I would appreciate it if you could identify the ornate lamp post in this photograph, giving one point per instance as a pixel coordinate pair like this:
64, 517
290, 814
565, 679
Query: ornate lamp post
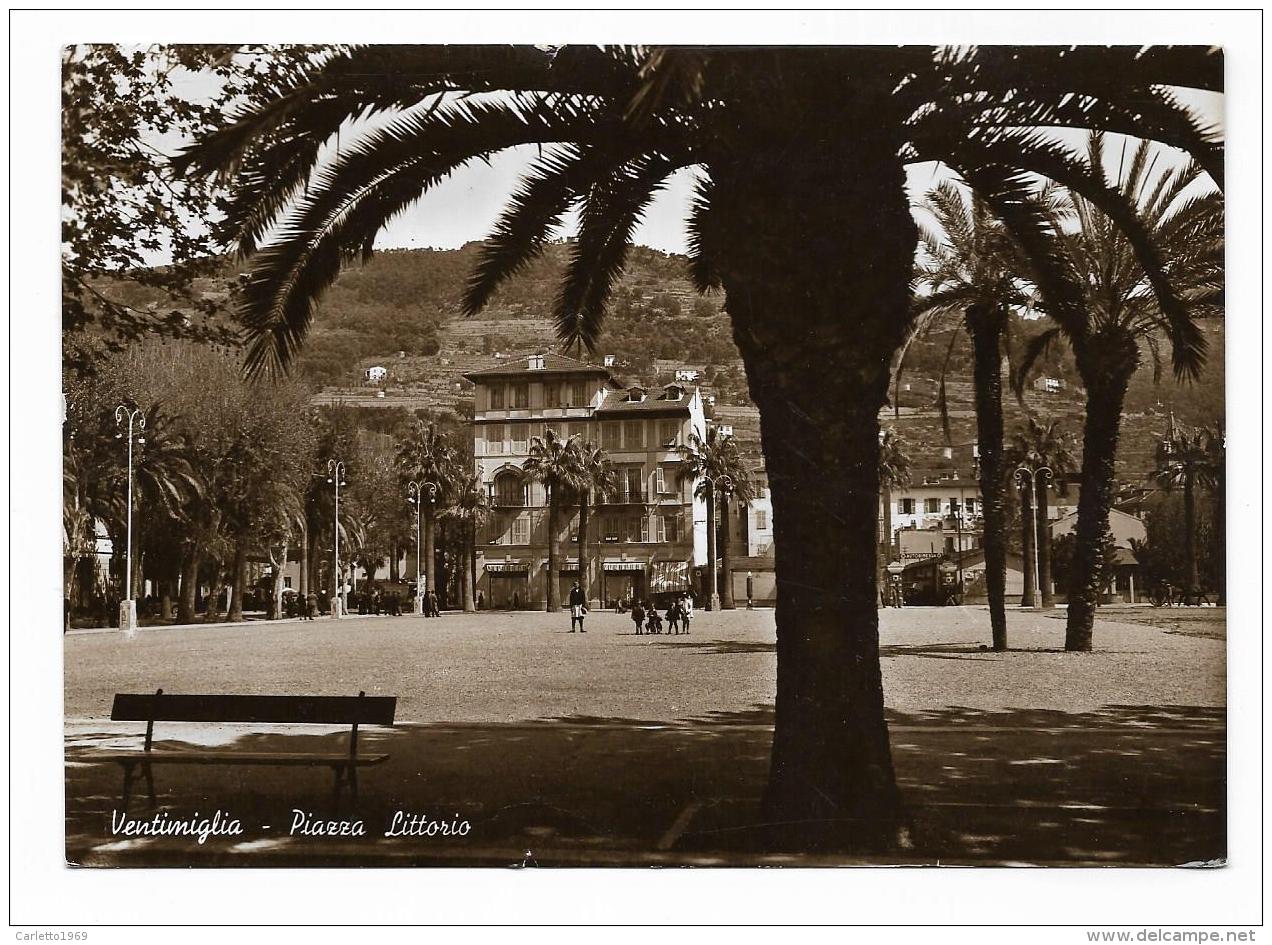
719, 484
415, 490
128, 607
335, 474
1022, 475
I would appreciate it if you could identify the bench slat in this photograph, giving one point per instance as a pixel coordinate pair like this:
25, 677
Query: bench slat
315, 710
235, 758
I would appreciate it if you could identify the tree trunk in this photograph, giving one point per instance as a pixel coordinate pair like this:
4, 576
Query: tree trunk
1106, 368
885, 537
240, 577
394, 575
165, 601
1028, 521
554, 583
713, 584
278, 582
1044, 549
1221, 536
726, 559
189, 585
303, 561
430, 565
585, 577
986, 326
1190, 533
816, 265
472, 560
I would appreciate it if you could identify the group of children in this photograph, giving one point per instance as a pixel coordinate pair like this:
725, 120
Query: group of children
679, 615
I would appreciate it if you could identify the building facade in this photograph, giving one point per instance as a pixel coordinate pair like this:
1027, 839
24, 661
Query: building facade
643, 541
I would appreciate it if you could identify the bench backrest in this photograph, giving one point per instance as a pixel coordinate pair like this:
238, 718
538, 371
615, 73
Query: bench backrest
316, 710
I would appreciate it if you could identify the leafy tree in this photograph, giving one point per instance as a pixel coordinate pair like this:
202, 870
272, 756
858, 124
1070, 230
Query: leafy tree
470, 508
557, 464
1037, 445
1119, 291
801, 217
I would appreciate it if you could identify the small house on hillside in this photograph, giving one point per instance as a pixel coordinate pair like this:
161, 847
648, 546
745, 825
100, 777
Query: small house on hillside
375, 374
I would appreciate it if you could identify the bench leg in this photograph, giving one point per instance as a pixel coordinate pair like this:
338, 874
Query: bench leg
128, 779
340, 775
148, 771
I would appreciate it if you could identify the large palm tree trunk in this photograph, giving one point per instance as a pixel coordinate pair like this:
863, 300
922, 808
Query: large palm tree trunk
816, 279
468, 564
1106, 373
986, 326
1028, 522
1044, 549
554, 581
302, 560
885, 537
726, 559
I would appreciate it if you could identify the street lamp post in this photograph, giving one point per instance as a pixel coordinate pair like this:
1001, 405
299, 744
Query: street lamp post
414, 492
719, 484
1024, 474
335, 473
128, 607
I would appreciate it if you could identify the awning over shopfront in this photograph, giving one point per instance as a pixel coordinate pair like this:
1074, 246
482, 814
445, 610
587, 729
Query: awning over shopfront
623, 566
669, 576
507, 567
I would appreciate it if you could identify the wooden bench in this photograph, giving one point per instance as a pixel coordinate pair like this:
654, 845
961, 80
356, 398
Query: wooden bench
303, 710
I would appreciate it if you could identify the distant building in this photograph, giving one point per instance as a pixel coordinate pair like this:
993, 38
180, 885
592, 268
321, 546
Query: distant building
646, 540
1048, 385
375, 374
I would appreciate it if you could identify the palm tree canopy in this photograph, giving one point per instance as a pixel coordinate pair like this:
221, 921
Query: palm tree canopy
1186, 454
706, 459
894, 460
556, 462
1120, 296
1041, 444
427, 456
612, 124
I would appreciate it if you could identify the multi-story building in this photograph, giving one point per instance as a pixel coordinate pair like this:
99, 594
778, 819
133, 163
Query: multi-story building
645, 540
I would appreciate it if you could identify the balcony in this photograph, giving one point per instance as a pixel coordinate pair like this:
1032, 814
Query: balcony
508, 500
626, 497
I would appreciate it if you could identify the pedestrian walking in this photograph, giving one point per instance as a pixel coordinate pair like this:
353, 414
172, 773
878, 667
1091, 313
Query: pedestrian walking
432, 605
686, 604
654, 624
673, 616
638, 617
311, 606
578, 607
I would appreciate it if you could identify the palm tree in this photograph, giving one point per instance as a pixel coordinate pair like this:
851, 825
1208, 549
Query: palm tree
894, 473
556, 463
470, 506
1119, 306
707, 461
1037, 445
427, 457
1186, 460
972, 275
801, 217
1218, 443
599, 480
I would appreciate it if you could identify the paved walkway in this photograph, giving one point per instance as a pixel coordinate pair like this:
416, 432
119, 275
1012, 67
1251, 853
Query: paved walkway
611, 748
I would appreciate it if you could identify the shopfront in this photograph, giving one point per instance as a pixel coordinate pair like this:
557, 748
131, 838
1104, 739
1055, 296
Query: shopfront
622, 580
509, 585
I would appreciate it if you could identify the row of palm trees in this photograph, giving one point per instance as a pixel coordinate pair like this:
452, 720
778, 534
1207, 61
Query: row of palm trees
578, 474
802, 218
976, 272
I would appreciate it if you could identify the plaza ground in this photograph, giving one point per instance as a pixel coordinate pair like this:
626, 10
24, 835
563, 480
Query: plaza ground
612, 748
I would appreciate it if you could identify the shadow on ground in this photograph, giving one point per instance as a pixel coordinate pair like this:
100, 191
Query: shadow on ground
1124, 785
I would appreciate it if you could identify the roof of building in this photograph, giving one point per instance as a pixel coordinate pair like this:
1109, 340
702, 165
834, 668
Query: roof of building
655, 401
519, 366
